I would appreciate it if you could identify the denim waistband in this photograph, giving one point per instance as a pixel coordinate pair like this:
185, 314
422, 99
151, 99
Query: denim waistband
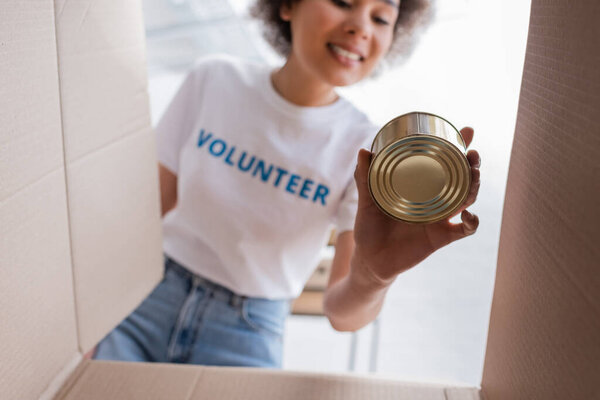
217, 291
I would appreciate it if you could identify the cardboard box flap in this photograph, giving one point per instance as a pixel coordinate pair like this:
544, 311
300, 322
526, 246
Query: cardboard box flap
82, 234
112, 179
544, 340
119, 380
31, 144
38, 333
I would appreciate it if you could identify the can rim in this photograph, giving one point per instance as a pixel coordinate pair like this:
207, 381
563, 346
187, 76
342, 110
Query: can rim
417, 112
397, 218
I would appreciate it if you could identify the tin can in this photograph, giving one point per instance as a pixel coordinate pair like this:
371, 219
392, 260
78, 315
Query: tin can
419, 172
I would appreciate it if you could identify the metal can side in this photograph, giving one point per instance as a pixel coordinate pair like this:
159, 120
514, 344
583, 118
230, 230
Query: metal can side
419, 172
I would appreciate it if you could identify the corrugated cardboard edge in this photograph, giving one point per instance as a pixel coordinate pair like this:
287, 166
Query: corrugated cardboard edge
98, 379
75, 367
105, 120
37, 312
102, 379
68, 374
465, 393
264, 384
68, 367
543, 340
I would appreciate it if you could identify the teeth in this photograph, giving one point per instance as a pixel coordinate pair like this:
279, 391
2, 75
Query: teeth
345, 53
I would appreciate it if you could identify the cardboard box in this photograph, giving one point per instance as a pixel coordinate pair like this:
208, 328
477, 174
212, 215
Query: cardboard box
80, 226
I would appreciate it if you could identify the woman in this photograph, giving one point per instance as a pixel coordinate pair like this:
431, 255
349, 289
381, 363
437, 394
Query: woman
255, 166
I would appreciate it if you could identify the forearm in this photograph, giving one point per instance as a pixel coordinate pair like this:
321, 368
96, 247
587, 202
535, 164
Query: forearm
356, 299
168, 189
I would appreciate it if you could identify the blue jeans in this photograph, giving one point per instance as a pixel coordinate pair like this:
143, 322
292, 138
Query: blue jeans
188, 319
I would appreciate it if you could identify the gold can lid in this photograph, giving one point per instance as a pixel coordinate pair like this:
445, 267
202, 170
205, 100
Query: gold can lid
419, 178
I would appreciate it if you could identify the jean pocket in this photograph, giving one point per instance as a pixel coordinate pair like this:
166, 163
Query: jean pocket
264, 316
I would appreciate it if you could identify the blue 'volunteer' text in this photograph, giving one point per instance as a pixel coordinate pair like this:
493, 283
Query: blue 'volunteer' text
290, 182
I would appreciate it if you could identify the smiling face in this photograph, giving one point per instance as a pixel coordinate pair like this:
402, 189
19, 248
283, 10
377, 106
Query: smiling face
340, 41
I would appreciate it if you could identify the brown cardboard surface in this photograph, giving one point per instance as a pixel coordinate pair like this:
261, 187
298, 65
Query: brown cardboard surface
117, 380
544, 337
101, 51
101, 380
463, 394
116, 238
88, 98
111, 161
31, 143
259, 384
37, 321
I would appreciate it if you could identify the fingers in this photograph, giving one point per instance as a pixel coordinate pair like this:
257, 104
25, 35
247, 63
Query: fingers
475, 183
470, 223
361, 174
467, 135
475, 162
474, 188
468, 226
474, 159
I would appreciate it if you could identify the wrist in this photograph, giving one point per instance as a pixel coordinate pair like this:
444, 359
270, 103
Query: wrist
363, 277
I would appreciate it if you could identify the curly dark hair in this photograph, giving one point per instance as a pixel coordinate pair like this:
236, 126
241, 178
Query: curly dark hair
413, 17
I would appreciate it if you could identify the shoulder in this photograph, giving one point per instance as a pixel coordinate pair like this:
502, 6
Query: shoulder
223, 67
358, 125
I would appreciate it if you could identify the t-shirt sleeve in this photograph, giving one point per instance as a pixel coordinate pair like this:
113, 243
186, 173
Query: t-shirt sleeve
346, 212
176, 124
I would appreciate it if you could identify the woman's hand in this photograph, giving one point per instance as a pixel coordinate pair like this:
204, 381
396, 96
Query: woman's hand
386, 247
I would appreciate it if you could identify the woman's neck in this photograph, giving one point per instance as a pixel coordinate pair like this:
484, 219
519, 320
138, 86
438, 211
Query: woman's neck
298, 86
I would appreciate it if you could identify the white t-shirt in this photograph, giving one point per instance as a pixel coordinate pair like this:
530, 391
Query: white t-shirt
260, 180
